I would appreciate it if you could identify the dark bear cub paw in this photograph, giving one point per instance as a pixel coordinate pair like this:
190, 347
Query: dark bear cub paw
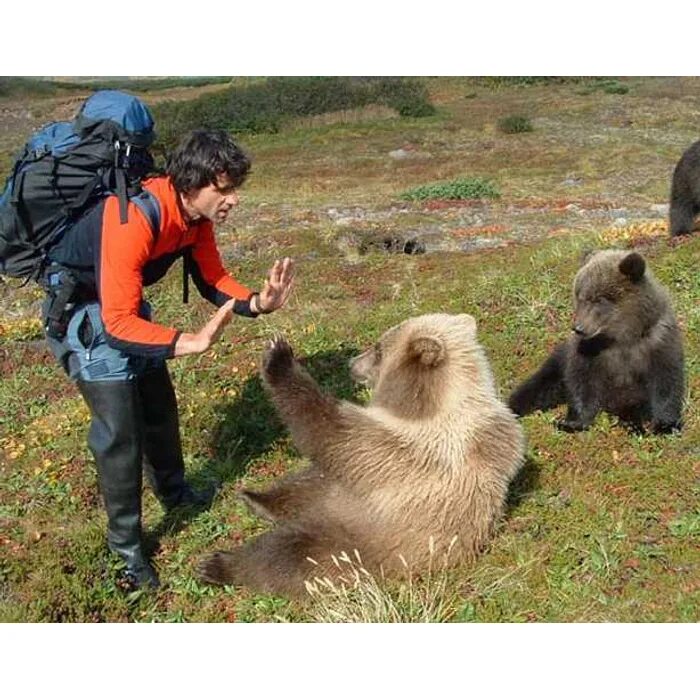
662, 427
278, 358
571, 426
517, 405
214, 568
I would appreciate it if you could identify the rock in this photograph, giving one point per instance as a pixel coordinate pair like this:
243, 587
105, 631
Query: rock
620, 221
573, 181
660, 209
405, 153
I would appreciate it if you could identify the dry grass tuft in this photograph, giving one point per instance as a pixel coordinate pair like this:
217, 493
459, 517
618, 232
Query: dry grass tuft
356, 595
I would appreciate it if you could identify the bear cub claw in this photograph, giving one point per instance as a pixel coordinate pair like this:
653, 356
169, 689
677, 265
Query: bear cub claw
278, 358
213, 569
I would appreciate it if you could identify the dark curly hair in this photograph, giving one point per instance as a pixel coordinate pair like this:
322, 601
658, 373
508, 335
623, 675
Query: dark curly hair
202, 156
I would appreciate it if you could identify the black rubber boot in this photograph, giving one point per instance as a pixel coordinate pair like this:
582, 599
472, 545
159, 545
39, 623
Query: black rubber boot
115, 439
163, 461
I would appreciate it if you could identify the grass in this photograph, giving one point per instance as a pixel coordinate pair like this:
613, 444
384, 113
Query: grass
38, 87
356, 595
600, 526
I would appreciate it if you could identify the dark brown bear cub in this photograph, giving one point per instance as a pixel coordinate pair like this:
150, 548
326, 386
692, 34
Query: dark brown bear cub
421, 472
685, 192
625, 356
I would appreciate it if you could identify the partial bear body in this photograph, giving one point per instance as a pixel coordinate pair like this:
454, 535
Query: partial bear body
685, 192
430, 457
625, 356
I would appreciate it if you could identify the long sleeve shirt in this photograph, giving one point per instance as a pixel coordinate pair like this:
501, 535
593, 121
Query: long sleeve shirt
127, 257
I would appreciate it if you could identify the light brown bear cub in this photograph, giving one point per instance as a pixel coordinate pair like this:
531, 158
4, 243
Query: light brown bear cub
432, 455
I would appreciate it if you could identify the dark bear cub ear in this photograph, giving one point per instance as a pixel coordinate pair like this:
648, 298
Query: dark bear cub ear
633, 266
428, 350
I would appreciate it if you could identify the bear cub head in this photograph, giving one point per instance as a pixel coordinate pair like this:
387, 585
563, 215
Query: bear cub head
417, 365
616, 299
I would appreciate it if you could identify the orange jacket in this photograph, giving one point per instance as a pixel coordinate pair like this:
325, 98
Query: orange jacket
129, 257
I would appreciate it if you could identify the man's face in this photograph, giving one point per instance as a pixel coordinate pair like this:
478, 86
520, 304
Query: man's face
214, 201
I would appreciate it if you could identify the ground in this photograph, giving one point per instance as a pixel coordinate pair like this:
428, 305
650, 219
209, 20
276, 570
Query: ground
602, 525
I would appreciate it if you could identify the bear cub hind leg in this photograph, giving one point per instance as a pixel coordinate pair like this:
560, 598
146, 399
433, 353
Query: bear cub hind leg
275, 562
292, 496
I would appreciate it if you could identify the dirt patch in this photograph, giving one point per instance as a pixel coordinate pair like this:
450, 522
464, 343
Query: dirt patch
24, 354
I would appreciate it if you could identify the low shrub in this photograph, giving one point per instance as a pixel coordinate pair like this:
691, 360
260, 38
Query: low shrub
263, 107
614, 87
504, 81
607, 85
515, 124
462, 188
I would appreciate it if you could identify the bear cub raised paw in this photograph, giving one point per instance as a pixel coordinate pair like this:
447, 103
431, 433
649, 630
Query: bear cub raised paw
624, 357
419, 475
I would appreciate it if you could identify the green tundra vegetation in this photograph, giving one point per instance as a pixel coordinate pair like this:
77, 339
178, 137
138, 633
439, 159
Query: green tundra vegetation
602, 525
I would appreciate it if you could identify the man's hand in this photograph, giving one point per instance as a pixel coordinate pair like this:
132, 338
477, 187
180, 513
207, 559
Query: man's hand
277, 288
190, 343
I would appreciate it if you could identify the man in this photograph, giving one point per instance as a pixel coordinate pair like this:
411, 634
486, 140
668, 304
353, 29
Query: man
117, 354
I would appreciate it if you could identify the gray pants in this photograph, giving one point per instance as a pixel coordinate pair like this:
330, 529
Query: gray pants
93, 360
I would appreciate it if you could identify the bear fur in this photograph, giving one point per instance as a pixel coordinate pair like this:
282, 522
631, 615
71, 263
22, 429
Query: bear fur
685, 192
625, 356
431, 456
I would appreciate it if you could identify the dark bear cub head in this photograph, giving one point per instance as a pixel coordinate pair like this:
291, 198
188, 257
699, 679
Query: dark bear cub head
616, 299
417, 365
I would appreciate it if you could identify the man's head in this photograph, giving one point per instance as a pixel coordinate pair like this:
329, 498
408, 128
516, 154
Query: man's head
206, 169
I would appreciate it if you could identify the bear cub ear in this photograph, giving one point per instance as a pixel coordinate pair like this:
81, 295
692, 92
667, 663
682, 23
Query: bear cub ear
469, 322
586, 255
430, 351
633, 266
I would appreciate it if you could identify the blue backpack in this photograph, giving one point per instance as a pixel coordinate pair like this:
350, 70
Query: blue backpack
65, 168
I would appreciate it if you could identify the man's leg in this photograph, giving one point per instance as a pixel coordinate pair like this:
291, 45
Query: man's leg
163, 461
106, 380
115, 440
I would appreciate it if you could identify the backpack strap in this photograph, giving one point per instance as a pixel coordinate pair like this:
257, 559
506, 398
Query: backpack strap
149, 206
120, 184
186, 263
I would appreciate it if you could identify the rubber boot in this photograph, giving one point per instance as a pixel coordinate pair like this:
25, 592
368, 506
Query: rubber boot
163, 461
115, 439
